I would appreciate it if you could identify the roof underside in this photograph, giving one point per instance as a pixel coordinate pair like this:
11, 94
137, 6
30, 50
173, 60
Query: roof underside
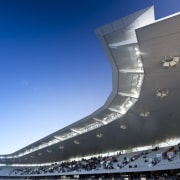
155, 40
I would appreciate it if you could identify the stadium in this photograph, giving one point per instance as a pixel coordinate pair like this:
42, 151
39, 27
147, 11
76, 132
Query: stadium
135, 134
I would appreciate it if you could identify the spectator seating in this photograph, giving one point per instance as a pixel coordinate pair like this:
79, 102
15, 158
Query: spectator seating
152, 159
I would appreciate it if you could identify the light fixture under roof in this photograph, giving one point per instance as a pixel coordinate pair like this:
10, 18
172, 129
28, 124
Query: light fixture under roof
49, 150
162, 92
170, 62
61, 147
76, 142
145, 114
123, 126
137, 51
139, 61
99, 135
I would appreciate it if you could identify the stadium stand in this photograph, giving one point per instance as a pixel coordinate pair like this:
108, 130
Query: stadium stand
123, 139
142, 163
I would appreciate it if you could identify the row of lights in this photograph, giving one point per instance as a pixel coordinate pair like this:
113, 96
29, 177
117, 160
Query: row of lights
168, 62
161, 92
61, 147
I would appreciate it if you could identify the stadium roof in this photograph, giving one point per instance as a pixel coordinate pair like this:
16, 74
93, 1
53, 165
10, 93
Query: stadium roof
143, 107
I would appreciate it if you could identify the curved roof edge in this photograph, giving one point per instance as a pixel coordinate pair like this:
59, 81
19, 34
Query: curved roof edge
114, 38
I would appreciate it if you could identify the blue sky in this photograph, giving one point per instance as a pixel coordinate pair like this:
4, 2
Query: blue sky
53, 70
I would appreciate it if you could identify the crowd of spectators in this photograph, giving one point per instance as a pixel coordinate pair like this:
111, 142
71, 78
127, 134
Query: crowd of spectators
93, 163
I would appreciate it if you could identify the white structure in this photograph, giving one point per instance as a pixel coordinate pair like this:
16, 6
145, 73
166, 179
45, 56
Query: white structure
144, 56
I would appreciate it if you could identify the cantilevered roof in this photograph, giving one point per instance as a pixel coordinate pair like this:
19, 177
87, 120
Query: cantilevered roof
143, 107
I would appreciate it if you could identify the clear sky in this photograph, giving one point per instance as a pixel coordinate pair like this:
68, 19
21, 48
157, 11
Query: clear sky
53, 70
